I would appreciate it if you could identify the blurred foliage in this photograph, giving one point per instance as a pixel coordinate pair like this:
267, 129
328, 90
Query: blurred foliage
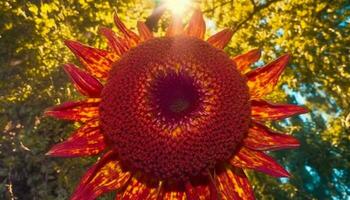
315, 32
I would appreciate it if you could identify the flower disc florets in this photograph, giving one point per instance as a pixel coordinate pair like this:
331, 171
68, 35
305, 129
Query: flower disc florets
174, 107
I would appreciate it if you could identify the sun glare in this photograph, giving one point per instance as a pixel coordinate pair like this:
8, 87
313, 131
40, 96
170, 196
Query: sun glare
178, 7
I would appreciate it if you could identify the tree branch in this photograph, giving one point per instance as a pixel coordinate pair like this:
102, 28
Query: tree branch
256, 10
254, 4
159, 10
217, 6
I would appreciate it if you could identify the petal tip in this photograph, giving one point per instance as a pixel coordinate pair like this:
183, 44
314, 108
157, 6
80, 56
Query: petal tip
68, 68
296, 144
73, 45
285, 174
286, 57
304, 110
280, 173
52, 153
301, 110
49, 112
70, 43
102, 29
221, 38
229, 33
49, 153
258, 51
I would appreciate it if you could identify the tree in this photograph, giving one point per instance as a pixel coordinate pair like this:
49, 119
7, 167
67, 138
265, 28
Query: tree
316, 33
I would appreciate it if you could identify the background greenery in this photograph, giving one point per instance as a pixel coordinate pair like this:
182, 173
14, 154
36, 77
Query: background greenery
315, 32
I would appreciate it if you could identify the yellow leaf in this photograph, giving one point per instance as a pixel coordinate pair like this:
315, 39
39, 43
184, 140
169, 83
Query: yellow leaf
33, 8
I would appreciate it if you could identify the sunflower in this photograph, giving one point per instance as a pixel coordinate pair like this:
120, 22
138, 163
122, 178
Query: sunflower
175, 117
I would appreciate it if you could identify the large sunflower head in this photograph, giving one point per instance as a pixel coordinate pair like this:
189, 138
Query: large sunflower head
176, 117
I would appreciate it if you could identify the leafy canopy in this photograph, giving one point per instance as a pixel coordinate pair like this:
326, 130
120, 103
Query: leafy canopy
316, 33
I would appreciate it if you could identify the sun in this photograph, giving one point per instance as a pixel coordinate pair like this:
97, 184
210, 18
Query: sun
174, 117
177, 7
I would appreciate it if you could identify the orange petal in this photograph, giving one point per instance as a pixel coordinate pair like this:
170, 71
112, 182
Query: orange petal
196, 26
106, 175
233, 184
221, 39
76, 111
145, 33
131, 37
175, 27
174, 195
116, 43
243, 61
87, 140
262, 80
97, 61
140, 187
262, 138
173, 191
263, 110
257, 160
83, 82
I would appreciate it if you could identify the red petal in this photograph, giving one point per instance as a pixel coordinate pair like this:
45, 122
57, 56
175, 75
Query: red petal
233, 184
196, 26
263, 110
221, 39
116, 43
262, 138
145, 33
86, 141
198, 191
97, 61
243, 61
75, 111
191, 193
247, 158
175, 27
140, 188
213, 187
262, 80
83, 82
132, 38
106, 175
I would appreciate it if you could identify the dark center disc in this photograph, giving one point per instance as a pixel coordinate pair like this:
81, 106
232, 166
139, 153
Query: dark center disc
174, 107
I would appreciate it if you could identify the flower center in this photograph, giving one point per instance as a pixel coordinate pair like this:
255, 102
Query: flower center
174, 95
175, 107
